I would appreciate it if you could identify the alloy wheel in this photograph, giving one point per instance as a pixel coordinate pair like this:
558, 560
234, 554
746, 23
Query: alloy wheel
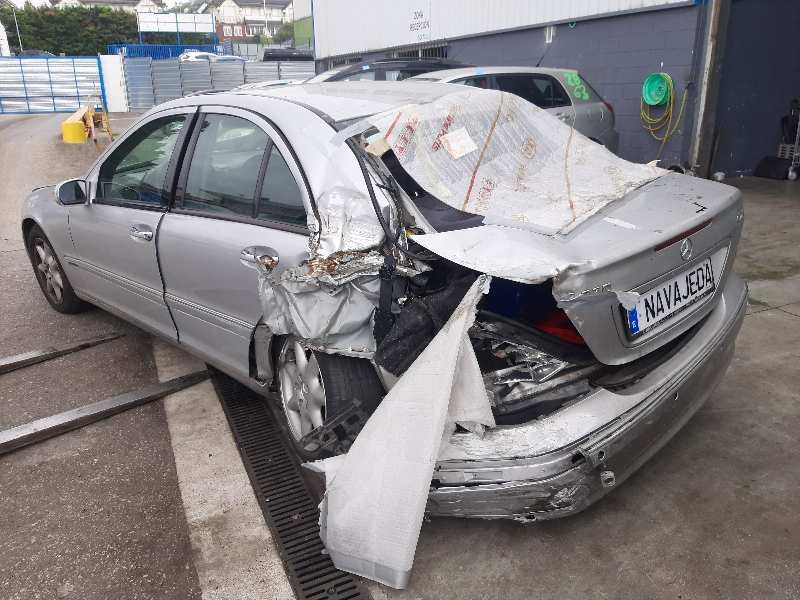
48, 271
302, 390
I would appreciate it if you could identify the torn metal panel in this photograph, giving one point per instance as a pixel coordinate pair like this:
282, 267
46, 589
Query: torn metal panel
492, 153
331, 318
372, 512
327, 302
347, 222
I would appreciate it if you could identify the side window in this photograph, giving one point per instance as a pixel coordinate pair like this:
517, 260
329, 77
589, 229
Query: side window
135, 172
551, 92
360, 76
401, 74
541, 90
478, 81
280, 198
225, 165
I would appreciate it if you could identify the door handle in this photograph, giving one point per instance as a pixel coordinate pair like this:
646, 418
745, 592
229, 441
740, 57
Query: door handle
263, 258
141, 232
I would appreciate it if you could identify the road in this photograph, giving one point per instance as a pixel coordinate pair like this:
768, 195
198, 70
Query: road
148, 503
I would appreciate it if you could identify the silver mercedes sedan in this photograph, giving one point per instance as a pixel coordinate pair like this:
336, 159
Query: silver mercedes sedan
310, 241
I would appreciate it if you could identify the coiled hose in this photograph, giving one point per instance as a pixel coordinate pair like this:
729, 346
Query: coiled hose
661, 127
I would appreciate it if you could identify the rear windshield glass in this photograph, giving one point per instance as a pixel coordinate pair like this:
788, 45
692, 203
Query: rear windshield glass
578, 87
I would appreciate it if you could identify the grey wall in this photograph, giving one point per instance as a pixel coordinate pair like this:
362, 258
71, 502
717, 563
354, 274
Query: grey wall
760, 76
615, 54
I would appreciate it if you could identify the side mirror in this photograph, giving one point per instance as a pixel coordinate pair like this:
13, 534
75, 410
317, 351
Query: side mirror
72, 191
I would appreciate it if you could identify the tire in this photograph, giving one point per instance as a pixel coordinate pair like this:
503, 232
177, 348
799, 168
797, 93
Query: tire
49, 274
343, 379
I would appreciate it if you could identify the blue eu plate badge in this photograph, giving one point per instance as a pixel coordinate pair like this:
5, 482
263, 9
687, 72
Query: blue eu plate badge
633, 321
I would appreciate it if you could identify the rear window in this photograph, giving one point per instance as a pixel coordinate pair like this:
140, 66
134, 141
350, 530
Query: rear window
579, 88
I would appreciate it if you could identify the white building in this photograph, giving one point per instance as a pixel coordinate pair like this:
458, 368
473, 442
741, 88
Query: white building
4, 49
250, 17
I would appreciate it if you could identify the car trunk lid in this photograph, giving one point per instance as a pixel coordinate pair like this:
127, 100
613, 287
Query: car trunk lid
604, 266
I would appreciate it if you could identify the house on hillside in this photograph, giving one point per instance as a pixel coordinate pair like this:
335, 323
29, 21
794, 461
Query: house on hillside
239, 19
133, 6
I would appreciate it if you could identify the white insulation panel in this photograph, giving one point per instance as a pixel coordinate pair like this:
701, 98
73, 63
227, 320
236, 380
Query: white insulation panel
343, 27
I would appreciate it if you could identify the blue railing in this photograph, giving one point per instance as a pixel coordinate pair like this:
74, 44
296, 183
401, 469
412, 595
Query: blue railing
34, 84
159, 51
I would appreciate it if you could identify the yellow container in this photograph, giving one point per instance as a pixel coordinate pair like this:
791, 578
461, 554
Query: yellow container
74, 129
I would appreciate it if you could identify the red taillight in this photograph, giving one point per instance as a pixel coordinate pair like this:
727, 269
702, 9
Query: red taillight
609, 107
557, 324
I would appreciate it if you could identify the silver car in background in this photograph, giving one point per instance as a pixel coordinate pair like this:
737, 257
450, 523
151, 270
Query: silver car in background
562, 92
172, 226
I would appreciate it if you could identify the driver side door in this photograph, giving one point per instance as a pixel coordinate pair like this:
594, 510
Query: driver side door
115, 262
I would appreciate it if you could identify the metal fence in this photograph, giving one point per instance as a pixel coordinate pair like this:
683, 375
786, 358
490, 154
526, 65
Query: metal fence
150, 82
160, 51
49, 84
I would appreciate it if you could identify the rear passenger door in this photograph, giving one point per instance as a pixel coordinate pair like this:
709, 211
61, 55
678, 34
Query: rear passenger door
540, 89
238, 188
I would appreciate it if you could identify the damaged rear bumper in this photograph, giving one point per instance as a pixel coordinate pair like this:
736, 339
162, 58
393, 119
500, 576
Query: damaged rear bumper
561, 464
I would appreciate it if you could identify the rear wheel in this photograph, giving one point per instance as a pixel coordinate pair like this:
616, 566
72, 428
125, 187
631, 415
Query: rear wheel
316, 387
50, 275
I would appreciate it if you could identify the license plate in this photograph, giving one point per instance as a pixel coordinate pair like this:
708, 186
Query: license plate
671, 297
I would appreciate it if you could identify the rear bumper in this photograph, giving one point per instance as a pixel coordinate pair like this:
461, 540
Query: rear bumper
563, 463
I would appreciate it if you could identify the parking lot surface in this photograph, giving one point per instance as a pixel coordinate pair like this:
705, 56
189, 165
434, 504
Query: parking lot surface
98, 513
95, 513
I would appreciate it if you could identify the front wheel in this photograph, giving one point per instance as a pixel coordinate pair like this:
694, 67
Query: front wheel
316, 387
50, 274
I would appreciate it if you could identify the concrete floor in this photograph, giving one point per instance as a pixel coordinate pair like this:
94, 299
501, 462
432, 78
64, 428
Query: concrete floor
97, 513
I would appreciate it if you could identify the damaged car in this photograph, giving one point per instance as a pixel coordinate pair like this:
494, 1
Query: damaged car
343, 248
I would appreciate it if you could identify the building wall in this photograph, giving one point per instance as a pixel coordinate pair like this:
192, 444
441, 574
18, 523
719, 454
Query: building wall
4, 48
615, 54
346, 26
760, 76
114, 83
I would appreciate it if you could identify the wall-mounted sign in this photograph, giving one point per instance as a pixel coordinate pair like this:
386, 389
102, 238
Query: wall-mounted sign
420, 24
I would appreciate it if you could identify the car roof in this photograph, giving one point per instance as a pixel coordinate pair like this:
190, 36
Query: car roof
346, 100
421, 60
447, 74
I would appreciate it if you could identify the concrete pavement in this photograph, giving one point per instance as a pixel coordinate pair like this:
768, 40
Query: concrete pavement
95, 513
713, 515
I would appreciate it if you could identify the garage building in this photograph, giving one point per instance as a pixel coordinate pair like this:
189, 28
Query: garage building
723, 56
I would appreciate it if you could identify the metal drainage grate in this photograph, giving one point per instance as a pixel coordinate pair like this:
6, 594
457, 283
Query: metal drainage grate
285, 499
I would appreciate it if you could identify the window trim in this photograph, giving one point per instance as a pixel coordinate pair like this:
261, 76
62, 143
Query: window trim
272, 133
178, 151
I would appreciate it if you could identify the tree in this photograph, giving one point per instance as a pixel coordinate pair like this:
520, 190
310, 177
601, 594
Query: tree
285, 33
74, 31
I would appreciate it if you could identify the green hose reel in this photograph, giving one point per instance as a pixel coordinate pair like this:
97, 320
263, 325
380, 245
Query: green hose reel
657, 88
